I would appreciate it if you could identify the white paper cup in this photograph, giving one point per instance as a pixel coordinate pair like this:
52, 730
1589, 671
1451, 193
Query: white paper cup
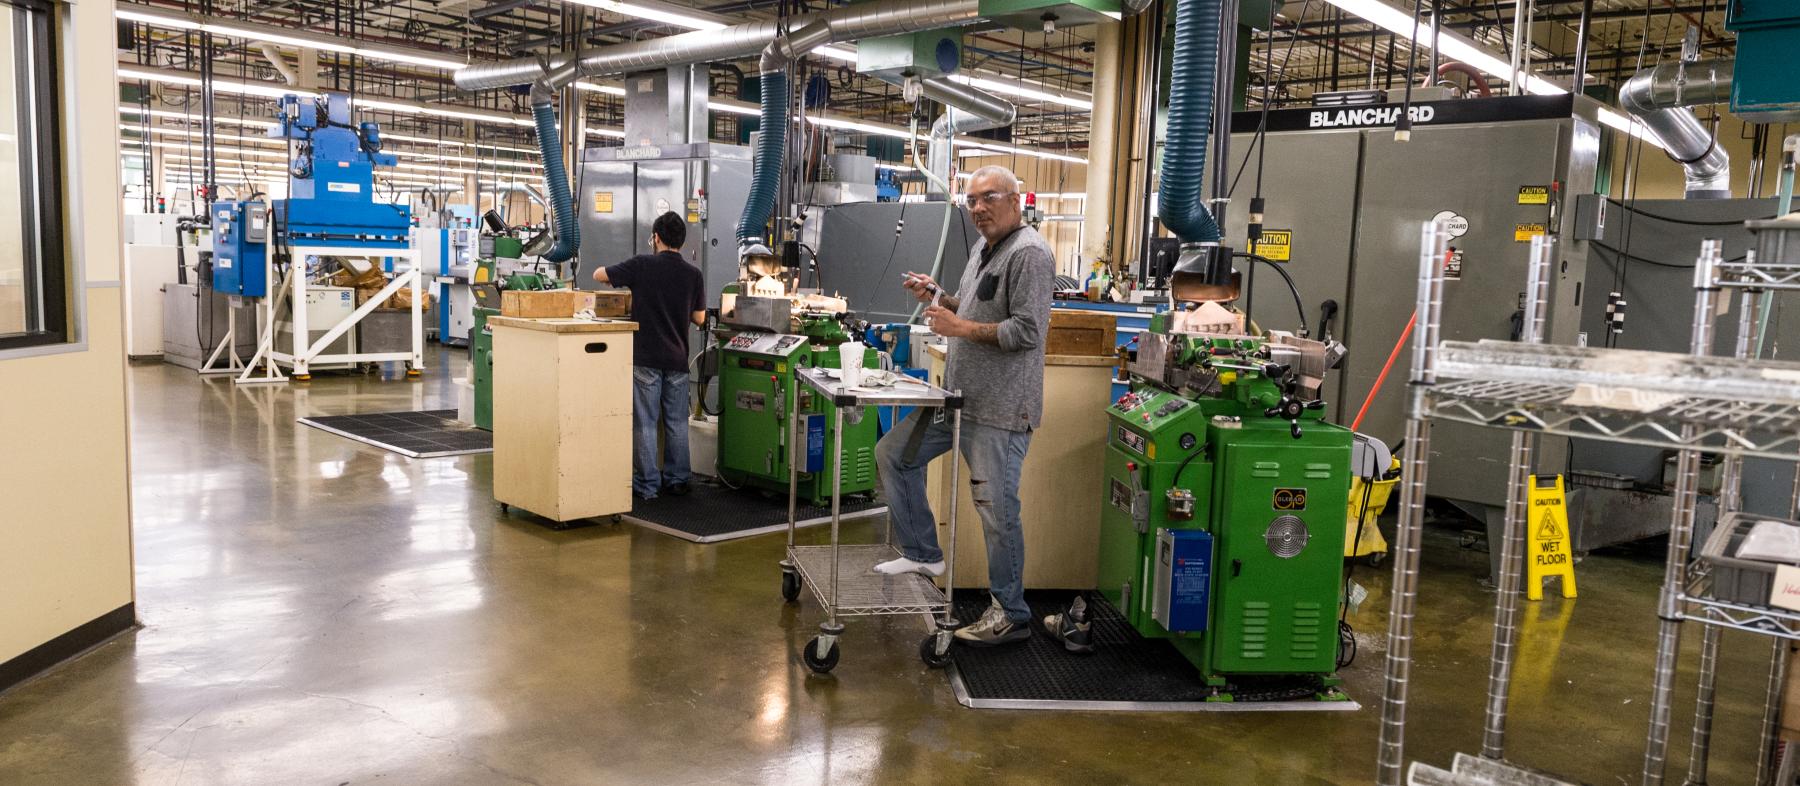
850, 363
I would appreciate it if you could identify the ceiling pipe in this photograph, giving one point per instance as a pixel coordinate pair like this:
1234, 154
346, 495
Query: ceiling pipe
848, 23
968, 109
1660, 97
287, 72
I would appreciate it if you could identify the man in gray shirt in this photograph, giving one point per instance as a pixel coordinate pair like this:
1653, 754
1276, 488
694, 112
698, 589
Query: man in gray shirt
996, 324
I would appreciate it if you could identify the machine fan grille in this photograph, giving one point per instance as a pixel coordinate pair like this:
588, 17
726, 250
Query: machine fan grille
1287, 536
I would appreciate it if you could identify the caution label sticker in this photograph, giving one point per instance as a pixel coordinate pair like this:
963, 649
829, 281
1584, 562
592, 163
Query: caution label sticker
1547, 538
603, 201
1523, 233
1275, 245
1534, 195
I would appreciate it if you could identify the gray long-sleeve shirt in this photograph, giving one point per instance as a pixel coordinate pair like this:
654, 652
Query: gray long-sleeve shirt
1003, 386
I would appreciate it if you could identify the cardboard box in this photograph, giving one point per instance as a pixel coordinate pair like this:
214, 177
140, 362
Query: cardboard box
401, 300
1078, 332
612, 303
541, 304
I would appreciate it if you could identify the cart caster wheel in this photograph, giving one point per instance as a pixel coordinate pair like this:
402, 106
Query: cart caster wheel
928, 652
616, 517
820, 665
505, 509
1375, 559
790, 587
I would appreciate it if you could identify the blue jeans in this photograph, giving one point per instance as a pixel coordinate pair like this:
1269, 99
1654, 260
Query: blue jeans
995, 458
660, 397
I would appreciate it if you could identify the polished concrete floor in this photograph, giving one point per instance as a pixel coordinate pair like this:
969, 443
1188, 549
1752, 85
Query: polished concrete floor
316, 611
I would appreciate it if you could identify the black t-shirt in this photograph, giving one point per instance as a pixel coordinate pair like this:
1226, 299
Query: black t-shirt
665, 292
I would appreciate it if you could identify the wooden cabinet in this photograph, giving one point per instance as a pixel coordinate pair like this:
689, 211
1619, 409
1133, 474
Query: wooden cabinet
1059, 487
562, 416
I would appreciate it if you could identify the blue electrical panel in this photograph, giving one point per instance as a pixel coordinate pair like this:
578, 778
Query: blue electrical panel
1763, 87
1183, 581
240, 234
815, 443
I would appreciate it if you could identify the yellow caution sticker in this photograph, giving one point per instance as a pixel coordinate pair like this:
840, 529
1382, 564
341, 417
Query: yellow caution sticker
693, 218
1275, 245
1523, 233
603, 201
1547, 537
1534, 195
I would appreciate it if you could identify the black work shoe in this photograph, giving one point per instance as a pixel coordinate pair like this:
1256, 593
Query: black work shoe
678, 489
1072, 627
993, 629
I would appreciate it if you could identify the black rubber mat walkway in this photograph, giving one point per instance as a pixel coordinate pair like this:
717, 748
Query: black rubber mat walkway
712, 513
428, 434
1126, 671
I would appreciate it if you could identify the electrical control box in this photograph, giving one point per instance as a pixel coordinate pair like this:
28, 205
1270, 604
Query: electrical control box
240, 248
1183, 582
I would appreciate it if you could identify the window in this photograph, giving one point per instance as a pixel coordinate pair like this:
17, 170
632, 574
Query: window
34, 305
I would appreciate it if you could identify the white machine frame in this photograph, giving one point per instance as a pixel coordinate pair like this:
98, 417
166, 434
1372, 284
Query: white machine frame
302, 354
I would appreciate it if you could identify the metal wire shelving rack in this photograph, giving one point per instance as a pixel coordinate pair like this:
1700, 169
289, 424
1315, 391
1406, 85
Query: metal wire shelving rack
1696, 403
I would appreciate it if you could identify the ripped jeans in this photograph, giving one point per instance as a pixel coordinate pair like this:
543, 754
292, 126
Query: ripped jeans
995, 457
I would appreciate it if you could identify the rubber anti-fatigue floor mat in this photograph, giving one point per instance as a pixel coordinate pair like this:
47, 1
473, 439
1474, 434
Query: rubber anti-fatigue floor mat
1125, 672
711, 513
427, 434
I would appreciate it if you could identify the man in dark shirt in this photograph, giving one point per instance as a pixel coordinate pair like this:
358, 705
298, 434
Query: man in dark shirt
667, 294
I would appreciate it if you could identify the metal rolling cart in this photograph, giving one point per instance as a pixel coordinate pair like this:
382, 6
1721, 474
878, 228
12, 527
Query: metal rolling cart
1696, 403
840, 574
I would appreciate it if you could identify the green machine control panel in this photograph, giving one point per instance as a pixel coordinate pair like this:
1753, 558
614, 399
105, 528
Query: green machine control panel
757, 390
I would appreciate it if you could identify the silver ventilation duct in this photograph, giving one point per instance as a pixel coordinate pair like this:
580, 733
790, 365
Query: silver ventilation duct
969, 109
1660, 97
849, 23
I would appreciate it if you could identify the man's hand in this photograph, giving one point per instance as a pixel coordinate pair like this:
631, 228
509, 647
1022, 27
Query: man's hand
946, 323
919, 285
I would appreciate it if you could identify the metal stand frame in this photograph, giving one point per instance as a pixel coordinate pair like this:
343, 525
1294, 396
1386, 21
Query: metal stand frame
864, 592
1729, 407
234, 363
303, 355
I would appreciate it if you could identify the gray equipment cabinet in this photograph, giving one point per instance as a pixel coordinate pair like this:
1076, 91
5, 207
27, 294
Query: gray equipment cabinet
621, 191
1353, 197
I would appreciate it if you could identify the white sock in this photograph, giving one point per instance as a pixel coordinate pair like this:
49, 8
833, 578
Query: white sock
896, 567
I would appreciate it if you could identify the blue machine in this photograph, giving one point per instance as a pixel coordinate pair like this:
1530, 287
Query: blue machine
894, 338
240, 233
331, 186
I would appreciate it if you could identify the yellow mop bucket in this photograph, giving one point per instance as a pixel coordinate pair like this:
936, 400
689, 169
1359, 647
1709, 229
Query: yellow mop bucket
1370, 541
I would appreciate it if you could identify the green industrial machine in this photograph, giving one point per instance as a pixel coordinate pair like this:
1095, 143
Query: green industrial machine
498, 271
760, 347
1224, 517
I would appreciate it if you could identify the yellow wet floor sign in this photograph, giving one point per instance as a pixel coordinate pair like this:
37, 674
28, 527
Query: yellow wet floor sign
1547, 538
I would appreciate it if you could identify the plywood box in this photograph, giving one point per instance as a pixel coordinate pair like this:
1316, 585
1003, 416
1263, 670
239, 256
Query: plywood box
544, 304
1077, 332
612, 303
562, 416
1059, 486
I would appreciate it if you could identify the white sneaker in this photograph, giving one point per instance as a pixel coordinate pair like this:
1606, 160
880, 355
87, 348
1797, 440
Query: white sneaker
895, 567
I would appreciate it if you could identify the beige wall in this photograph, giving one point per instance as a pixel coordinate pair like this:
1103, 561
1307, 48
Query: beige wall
1660, 177
1046, 176
65, 526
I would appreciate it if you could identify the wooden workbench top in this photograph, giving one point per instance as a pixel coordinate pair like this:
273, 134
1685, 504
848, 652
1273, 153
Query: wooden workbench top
566, 324
937, 351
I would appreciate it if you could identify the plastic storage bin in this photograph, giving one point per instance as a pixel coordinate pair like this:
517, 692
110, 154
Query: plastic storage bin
1739, 580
